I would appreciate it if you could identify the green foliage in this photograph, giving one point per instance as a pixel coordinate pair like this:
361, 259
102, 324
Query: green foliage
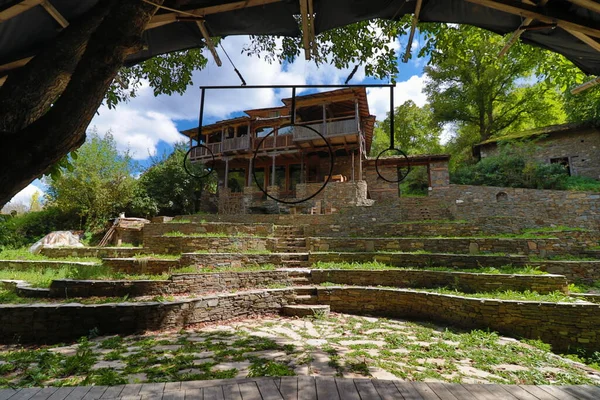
512, 166
167, 189
415, 131
25, 229
98, 185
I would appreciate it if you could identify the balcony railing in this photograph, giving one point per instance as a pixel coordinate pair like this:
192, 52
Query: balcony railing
332, 129
276, 142
234, 144
200, 153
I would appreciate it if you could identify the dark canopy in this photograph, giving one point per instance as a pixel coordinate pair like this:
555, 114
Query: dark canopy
571, 28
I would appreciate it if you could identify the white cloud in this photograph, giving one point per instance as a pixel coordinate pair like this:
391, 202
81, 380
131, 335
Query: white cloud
24, 196
412, 89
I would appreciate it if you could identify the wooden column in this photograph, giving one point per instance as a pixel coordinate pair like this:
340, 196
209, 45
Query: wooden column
250, 177
352, 166
360, 140
302, 180
324, 129
273, 172
226, 184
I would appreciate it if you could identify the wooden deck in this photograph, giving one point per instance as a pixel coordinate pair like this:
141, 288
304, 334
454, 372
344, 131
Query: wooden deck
305, 388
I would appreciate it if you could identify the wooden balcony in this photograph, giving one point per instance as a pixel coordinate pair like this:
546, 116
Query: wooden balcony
277, 142
334, 129
241, 143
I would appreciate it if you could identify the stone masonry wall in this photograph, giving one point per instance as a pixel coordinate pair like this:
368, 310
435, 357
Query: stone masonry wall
160, 229
541, 247
140, 265
177, 284
42, 323
539, 207
564, 325
462, 281
99, 252
188, 244
234, 260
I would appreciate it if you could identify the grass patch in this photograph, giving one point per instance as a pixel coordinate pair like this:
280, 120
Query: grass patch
211, 234
158, 256
376, 265
561, 257
24, 255
554, 297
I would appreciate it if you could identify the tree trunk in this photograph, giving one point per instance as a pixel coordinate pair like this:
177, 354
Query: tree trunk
35, 148
29, 92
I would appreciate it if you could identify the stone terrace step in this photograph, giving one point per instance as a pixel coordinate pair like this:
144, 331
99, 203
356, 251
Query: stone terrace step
159, 229
305, 310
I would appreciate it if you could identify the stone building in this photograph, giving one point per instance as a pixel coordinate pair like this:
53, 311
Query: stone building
263, 151
574, 145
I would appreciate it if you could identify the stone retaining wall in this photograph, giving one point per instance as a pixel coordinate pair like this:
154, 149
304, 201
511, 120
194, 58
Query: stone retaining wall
541, 247
543, 207
189, 244
462, 281
565, 326
573, 270
54, 323
189, 228
98, 252
140, 265
237, 260
177, 284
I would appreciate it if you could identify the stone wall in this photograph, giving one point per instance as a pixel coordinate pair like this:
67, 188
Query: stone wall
535, 207
564, 325
188, 244
43, 323
177, 284
236, 260
98, 252
336, 195
541, 247
140, 265
573, 270
421, 260
189, 228
462, 281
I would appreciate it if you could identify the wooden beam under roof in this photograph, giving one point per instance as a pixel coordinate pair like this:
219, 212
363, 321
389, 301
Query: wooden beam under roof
589, 28
18, 8
209, 43
413, 28
593, 43
517, 34
14, 64
305, 28
58, 17
167, 18
589, 4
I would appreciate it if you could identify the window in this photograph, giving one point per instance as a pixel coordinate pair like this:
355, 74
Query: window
564, 161
262, 132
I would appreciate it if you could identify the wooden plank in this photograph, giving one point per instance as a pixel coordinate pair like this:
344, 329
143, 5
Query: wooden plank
6, 393
209, 42
366, 389
408, 391
17, 9
171, 386
593, 43
307, 389
268, 389
537, 392
557, 392
95, 393
152, 388
214, 393
78, 392
326, 388
347, 389
460, 392
498, 392
590, 5
305, 29
61, 393
288, 387
425, 391
113, 392
131, 389
25, 394
232, 392
387, 390
54, 13
527, 11
441, 391
413, 28
44, 393
518, 392
479, 392
174, 395
249, 391
583, 392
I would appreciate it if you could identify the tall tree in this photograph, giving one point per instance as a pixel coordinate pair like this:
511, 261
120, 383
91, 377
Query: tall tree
98, 184
469, 85
415, 131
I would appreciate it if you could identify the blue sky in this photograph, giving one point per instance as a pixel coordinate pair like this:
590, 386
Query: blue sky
149, 125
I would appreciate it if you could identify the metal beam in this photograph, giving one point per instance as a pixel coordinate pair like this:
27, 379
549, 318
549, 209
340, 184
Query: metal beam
18, 8
58, 17
588, 27
209, 43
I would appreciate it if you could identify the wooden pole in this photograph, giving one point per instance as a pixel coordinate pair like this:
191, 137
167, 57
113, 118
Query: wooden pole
273, 171
226, 185
250, 176
353, 166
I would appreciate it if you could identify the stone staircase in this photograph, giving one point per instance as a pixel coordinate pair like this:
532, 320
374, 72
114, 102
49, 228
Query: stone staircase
305, 295
290, 239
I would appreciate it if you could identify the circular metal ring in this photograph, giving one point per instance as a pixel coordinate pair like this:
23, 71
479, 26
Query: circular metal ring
401, 175
331, 162
187, 155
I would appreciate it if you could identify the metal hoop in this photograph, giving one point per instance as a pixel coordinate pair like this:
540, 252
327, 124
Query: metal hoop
185, 159
331, 162
401, 176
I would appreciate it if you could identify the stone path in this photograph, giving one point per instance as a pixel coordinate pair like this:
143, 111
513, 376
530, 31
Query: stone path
306, 388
